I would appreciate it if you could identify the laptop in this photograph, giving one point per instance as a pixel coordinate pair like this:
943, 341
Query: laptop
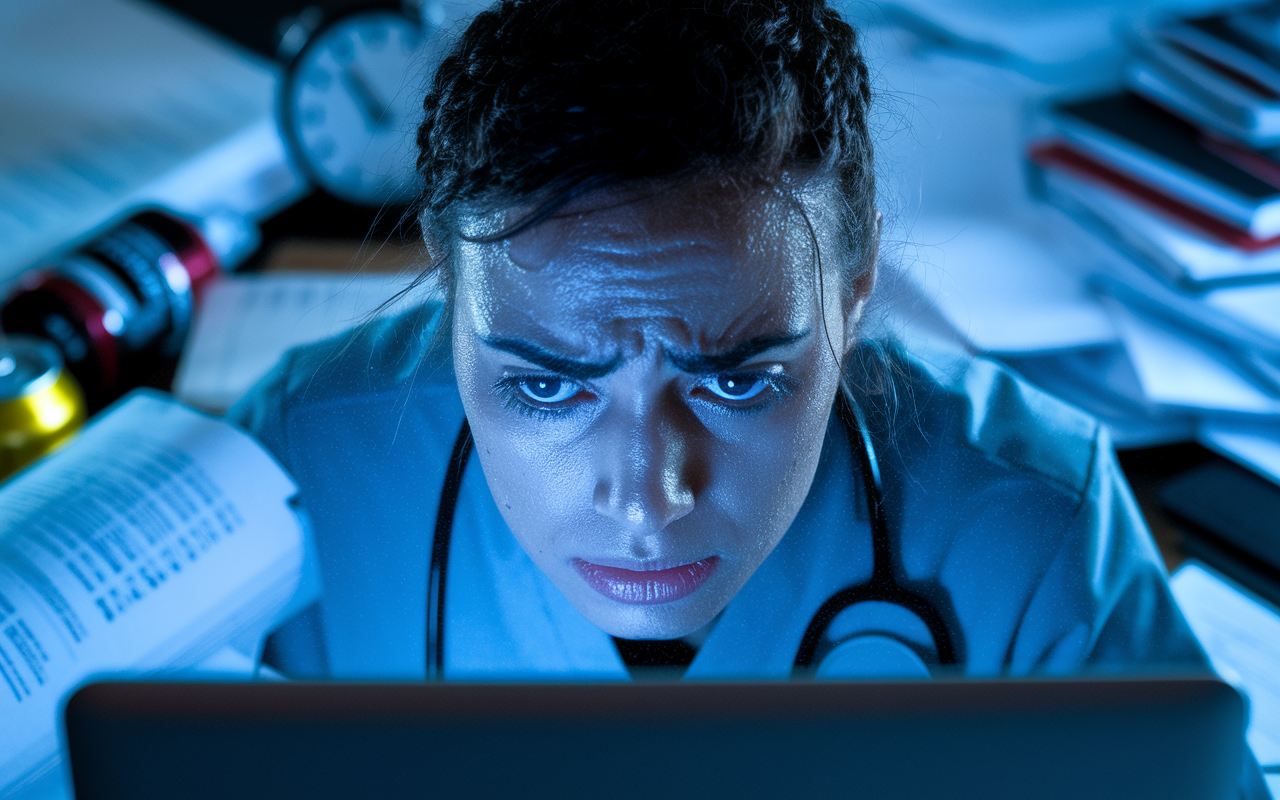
1106, 738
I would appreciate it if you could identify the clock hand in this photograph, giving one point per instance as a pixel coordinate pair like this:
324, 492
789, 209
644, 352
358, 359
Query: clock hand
376, 113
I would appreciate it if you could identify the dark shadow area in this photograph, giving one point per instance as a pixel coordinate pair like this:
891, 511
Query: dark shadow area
1201, 505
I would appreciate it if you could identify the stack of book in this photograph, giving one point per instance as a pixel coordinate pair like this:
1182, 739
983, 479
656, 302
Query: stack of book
1179, 171
1221, 72
1188, 193
1183, 168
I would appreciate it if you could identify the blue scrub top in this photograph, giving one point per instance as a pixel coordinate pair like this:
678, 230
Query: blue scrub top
1007, 499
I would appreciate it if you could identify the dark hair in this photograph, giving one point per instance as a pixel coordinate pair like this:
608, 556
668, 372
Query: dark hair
541, 101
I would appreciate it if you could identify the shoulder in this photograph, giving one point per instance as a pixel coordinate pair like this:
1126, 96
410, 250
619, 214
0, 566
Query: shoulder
370, 383
931, 400
1016, 500
364, 422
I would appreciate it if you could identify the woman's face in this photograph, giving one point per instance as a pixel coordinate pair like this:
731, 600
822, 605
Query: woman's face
648, 379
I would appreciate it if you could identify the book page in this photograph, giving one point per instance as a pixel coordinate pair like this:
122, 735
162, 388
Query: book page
156, 538
1241, 634
1255, 446
113, 103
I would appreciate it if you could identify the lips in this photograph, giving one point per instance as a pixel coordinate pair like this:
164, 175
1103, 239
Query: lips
647, 587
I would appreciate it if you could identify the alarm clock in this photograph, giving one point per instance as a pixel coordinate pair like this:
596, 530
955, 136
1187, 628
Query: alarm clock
351, 102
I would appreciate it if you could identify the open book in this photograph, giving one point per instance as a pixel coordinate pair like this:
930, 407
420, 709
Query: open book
157, 540
114, 104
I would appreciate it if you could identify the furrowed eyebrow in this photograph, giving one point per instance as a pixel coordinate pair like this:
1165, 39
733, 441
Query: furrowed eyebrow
709, 364
554, 362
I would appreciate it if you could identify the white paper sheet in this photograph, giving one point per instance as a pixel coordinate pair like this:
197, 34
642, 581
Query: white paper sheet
1241, 634
1177, 368
1247, 317
247, 322
1054, 41
1256, 447
1256, 306
1103, 382
1001, 289
157, 537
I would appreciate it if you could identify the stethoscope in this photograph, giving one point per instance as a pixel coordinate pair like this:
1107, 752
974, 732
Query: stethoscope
884, 585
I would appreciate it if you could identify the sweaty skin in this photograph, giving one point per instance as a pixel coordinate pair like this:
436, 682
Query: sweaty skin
648, 377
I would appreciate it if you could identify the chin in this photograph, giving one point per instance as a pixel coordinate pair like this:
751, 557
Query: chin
666, 621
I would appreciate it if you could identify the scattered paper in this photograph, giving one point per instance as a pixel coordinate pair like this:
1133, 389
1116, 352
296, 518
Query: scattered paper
1176, 368
1241, 634
1256, 447
1001, 289
109, 104
247, 322
1256, 306
1051, 41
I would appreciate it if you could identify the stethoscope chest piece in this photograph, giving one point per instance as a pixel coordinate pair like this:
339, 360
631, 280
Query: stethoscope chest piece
875, 639
870, 656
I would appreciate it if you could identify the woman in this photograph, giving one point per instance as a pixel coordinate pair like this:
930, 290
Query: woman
656, 233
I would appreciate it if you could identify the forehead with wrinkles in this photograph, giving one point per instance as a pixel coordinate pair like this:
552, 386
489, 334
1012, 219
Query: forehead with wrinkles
700, 267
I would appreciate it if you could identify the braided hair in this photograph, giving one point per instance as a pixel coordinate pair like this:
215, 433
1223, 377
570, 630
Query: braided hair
541, 101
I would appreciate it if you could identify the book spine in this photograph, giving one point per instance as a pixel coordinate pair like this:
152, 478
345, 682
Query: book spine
1219, 201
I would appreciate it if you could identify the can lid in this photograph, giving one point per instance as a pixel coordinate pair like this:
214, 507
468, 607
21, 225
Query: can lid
27, 365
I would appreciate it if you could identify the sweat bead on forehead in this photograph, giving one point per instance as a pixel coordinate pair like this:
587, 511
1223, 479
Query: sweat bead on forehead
699, 267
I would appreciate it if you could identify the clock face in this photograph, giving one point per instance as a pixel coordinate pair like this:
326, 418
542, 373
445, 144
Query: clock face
352, 103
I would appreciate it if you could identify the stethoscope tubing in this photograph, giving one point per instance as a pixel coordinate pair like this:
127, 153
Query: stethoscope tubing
883, 586
438, 571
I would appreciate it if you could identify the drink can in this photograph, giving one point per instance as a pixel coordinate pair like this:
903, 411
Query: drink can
41, 405
119, 307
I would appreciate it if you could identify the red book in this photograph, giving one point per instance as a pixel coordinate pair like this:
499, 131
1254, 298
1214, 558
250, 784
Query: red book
1057, 155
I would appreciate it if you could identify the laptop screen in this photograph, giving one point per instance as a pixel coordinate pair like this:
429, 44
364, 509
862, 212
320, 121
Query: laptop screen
1168, 738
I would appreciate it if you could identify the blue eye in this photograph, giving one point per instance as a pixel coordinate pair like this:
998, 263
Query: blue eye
736, 385
548, 390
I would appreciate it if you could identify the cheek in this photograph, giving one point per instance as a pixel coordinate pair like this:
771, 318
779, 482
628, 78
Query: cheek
542, 487
761, 476
526, 474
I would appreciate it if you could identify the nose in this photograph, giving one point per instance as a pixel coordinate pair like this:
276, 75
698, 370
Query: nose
646, 465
